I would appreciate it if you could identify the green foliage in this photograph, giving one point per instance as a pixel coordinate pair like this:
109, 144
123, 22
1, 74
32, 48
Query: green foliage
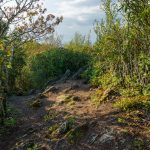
132, 91
96, 98
138, 144
33, 64
5, 64
10, 121
23, 81
93, 73
103, 95
33, 48
53, 128
80, 43
35, 147
121, 120
146, 89
17, 63
53, 63
75, 134
50, 115
109, 80
71, 120
138, 102
121, 59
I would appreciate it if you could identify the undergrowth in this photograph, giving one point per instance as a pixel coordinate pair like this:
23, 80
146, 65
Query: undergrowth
136, 102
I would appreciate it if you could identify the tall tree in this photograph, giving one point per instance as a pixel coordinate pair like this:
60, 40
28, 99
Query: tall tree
20, 21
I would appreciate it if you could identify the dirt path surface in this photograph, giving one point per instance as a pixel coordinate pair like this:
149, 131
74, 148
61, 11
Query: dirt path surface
28, 119
67, 120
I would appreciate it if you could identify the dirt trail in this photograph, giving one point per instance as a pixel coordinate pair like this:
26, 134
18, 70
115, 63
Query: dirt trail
27, 119
32, 129
31, 120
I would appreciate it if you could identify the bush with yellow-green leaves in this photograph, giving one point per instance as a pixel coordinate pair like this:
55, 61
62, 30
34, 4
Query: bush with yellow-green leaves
138, 102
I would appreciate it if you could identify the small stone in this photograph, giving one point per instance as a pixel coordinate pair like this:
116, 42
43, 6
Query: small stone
93, 138
64, 128
106, 138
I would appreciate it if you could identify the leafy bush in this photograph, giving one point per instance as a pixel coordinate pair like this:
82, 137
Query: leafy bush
80, 43
103, 95
121, 52
97, 97
146, 90
93, 73
132, 91
137, 102
53, 63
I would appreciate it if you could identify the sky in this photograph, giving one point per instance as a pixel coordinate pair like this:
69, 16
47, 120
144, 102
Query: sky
79, 16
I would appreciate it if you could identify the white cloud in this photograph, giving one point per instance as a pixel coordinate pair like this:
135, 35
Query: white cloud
79, 15
72, 2
68, 9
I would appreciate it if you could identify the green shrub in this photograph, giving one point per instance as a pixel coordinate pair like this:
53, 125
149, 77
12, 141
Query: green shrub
96, 98
120, 56
132, 91
53, 63
146, 89
101, 96
94, 72
137, 102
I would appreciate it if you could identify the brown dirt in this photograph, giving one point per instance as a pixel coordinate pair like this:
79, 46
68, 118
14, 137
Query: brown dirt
31, 126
